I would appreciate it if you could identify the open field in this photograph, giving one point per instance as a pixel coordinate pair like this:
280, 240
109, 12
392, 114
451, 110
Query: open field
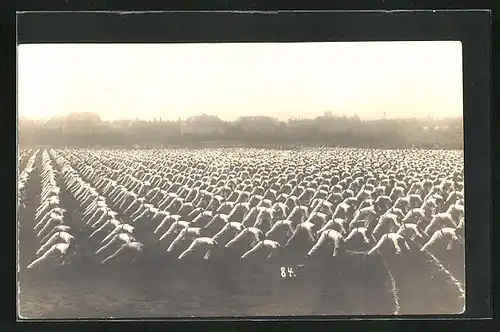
240, 189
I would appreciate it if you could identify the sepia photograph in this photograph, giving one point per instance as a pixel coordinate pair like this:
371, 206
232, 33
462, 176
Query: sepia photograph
174, 180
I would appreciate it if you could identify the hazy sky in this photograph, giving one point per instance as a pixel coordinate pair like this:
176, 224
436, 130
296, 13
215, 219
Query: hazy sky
123, 81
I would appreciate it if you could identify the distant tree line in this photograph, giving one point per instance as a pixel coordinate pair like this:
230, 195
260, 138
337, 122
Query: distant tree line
88, 130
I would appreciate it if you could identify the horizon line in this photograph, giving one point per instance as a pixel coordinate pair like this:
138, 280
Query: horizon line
161, 119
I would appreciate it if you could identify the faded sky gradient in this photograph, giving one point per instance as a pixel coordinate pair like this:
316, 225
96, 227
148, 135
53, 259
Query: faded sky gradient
127, 81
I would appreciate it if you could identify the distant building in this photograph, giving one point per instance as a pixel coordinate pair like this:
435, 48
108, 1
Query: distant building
299, 121
329, 123
257, 123
202, 124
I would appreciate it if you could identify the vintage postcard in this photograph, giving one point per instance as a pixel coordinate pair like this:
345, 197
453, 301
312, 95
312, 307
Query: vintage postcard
240, 179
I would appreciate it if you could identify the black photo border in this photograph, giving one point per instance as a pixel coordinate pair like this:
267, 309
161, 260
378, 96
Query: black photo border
471, 27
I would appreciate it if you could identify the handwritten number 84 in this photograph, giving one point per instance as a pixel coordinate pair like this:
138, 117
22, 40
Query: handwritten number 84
287, 272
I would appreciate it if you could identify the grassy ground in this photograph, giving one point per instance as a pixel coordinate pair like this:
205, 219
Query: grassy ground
354, 285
